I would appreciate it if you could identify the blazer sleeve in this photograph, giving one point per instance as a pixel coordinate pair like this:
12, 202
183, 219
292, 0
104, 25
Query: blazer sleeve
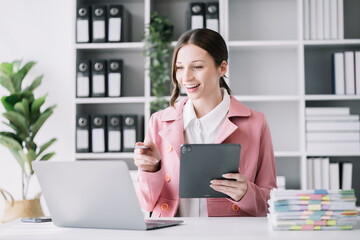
149, 184
254, 202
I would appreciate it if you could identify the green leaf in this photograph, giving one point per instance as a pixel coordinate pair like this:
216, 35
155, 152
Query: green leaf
41, 120
12, 135
18, 120
37, 103
9, 142
10, 101
7, 83
46, 145
19, 75
16, 65
6, 68
20, 157
31, 156
34, 84
47, 156
23, 108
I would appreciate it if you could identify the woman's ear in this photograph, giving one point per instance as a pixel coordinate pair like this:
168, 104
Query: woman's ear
223, 68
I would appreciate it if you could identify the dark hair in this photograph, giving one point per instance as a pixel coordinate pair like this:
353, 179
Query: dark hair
210, 41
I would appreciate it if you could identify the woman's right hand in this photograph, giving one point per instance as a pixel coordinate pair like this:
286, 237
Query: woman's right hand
147, 160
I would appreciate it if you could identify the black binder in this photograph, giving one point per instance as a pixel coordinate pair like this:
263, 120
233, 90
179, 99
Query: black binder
118, 24
99, 23
98, 133
115, 70
114, 133
98, 78
196, 15
212, 16
83, 141
83, 24
83, 78
130, 132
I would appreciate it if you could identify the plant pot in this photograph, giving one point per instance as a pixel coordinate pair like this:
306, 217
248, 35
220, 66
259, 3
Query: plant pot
20, 209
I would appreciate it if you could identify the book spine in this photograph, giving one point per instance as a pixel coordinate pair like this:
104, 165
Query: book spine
317, 173
347, 176
333, 146
326, 19
349, 73
357, 72
339, 73
327, 111
310, 173
333, 19
325, 168
340, 19
313, 30
334, 176
306, 19
333, 136
332, 126
320, 19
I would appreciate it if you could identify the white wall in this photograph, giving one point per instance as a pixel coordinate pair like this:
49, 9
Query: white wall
42, 31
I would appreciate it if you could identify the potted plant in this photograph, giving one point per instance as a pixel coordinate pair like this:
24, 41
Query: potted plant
158, 48
25, 118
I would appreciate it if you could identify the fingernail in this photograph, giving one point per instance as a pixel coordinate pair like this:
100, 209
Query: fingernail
223, 175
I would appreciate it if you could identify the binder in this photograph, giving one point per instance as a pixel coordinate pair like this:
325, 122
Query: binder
83, 78
196, 16
98, 79
82, 134
83, 24
130, 132
212, 16
99, 23
118, 24
98, 130
114, 133
115, 69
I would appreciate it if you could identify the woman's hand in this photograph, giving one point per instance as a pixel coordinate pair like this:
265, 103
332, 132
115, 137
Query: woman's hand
234, 189
147, 160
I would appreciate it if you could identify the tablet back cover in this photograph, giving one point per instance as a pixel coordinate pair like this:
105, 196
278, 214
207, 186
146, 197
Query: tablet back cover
201, 163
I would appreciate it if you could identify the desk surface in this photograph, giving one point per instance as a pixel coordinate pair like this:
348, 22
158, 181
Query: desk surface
192, 228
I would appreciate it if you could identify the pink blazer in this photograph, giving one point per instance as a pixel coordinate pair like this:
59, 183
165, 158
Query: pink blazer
158, 192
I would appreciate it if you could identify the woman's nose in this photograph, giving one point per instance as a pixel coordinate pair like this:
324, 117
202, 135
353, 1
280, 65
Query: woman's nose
187, 74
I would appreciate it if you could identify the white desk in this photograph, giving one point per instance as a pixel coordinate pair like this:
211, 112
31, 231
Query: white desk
192, 228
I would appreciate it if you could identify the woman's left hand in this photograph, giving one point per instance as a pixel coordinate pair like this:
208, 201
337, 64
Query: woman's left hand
234, 189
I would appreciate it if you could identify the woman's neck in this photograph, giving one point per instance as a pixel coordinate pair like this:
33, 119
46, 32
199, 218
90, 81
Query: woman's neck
206, 104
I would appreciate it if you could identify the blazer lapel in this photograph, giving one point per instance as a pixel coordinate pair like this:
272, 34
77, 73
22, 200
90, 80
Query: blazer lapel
174, 135
226, 130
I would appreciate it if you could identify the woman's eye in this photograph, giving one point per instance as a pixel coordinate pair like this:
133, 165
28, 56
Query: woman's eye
197, 67
179, 68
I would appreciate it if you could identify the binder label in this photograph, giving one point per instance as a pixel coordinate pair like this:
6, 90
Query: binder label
197, 21
129, 138
114, 29
82, 140
98, 140
212, 24
99, 29
114, 141
82, 86
98, 84
82, 32
114, 84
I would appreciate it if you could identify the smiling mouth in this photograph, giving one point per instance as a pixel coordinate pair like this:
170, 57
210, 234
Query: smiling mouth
192, 86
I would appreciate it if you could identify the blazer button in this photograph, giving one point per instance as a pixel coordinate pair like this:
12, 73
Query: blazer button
167, 178
235, 207
164, 206
169, 148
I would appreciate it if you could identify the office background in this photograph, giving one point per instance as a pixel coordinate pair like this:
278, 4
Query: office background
44, 31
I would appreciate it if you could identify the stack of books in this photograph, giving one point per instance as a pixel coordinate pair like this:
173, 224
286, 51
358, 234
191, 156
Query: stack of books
323, 19
312, 209
332, 129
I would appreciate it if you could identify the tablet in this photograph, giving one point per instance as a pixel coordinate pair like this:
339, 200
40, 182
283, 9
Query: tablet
201, 163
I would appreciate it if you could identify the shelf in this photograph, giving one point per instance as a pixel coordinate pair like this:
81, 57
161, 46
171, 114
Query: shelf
263, 44
331, 42
96, 100
263, 98
122, 46
287, 154
324, 97
120, 155
334, 154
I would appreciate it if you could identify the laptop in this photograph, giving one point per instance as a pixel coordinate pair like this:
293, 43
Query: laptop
93, 194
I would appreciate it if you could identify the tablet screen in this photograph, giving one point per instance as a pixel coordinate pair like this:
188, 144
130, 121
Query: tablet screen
201, 163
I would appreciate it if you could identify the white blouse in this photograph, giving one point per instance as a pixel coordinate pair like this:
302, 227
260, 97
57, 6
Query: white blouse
203, 130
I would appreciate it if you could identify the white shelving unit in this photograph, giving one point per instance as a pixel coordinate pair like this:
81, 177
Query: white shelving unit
271, 69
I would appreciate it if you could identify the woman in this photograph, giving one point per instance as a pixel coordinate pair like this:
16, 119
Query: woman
208, 115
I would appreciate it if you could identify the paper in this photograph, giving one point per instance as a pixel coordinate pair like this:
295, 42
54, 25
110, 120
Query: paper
98, 84
114, 141
129, 138
82, 30
98, 140
82, 86
99, 29
82, 139
114, 29
114, 84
